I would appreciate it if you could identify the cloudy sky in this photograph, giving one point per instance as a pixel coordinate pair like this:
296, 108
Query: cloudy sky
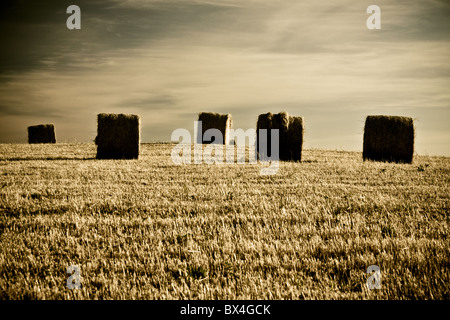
167, 60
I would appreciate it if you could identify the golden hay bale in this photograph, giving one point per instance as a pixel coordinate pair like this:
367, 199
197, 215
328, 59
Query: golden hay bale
388, 138
118, 136
212, 120
295, 138
290, 135
43, 133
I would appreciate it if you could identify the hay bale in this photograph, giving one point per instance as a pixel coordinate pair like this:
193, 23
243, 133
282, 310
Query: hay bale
118, 136
295, 138
43, 133
280, 121
290, 135
212, 120
388, 138
264, 122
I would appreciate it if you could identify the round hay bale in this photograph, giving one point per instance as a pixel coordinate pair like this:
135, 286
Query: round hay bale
264, 122
118, 136
388, 138
43, 133
290, 131
213, 120
280, 121
295, 137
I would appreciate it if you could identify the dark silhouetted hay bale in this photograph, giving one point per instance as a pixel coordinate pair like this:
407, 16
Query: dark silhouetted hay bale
389, 138
295, 138
118, 136
280, 121
264, 122
290, 133
43, 133
212, 120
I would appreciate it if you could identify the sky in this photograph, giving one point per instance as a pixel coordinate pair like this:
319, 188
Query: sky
168, 60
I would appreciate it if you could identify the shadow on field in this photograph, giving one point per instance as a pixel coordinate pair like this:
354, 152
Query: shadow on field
310, 161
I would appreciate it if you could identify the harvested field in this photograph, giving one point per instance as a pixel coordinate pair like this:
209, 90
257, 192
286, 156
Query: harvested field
149, 229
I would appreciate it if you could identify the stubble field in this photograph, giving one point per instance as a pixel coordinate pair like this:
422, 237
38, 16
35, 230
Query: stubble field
150, 229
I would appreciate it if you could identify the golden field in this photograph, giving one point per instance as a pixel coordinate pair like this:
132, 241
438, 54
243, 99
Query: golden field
150, 229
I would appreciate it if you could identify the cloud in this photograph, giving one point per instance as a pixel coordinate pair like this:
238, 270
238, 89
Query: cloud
154, 102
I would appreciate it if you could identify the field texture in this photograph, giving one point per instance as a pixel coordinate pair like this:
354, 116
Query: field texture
150, 229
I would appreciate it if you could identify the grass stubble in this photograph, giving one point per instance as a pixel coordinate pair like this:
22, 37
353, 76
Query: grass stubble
149, 229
